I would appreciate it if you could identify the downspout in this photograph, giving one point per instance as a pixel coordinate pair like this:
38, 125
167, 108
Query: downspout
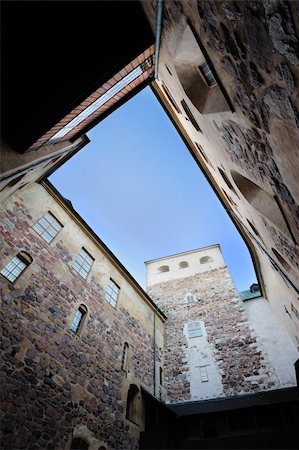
159, 4
154, 355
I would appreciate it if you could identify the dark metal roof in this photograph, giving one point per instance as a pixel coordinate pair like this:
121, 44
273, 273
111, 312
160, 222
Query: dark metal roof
247, 295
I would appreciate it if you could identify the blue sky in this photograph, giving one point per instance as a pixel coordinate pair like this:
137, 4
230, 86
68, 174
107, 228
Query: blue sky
138, 187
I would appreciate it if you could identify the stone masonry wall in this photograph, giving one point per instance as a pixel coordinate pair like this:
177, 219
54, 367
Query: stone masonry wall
249, 153
241, 365
53, 380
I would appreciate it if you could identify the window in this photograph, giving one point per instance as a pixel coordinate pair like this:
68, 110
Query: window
295, 311
112, 293
190, 298
125, 357
132, 404
161, 376
194, 330
78, 320
163, 269
204, 374
207, 74
205, 260
183, 264
16, 266
83, 263
79, 444
190, 115
47, 227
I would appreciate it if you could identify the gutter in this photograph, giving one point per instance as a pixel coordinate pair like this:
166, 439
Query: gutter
159, 4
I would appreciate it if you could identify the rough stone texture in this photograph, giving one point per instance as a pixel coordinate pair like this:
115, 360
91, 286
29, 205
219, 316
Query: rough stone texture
253, 49
243, 366
52, 380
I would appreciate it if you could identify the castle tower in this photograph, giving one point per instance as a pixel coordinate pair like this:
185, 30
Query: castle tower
212, 349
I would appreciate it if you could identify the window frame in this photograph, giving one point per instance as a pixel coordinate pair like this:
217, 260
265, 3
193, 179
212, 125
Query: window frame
24, 258
80, 323
125, 358
204, 375
207, 74
193, 328
109, 296
81, 266
50, 226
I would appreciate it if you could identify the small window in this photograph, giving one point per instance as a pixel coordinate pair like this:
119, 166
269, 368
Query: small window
161, 376
83, 263
112, 293
183, 264
190, 115
47, 227
205, 260
190, 298
16, 266
295, 311
163, 269
204, 374
207, 74
194, 330
125, 357
79, 444
78, 320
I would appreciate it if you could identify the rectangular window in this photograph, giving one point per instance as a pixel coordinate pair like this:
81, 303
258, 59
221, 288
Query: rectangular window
83, 263
13, 269
295, 311
207, 74
191, 298
112, 293
47, 227
194, 330
204, 374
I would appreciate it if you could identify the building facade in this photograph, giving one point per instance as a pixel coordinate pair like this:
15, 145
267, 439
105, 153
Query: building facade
79, 335
216, 345
90, 360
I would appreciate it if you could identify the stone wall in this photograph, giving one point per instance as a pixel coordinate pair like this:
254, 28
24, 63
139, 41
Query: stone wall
249, 150
235, 362
55, 382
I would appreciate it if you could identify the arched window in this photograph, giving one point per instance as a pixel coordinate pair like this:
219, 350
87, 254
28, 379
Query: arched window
205, 260
183, 264
125, 357
79, 319
163, 269
79, 444
132, 404
16, 266
161, 376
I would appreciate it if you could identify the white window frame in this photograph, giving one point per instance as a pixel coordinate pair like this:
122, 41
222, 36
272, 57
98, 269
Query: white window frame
83, 263
112, 293
125, 357
190, 298
79, 319
15, 267
47, 227
194, 330
204, 376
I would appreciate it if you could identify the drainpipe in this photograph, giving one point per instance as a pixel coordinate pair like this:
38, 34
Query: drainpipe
154, 354
159, 7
